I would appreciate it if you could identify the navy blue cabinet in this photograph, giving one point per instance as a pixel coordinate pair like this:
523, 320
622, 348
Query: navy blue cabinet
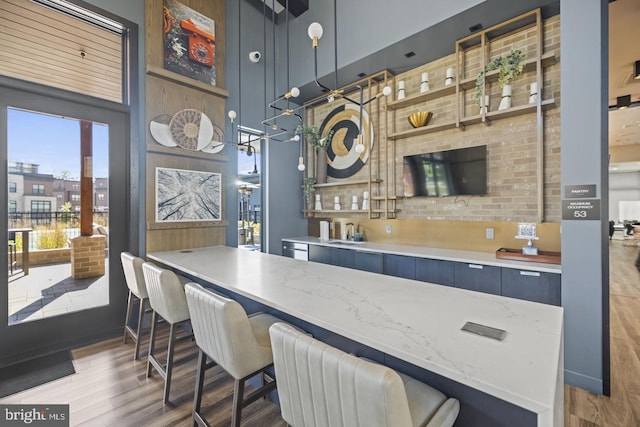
320, 254
343, 257
368, 261
531, 286
435, 271
477, 277
399, 266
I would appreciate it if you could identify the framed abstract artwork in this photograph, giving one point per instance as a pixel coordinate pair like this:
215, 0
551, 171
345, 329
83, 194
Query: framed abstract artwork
189, 42
186, 195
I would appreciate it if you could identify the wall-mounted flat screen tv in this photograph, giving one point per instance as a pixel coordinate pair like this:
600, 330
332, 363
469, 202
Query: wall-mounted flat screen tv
460, 172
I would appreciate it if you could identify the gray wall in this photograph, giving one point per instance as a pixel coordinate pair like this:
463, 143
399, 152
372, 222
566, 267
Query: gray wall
622, 187
584, 158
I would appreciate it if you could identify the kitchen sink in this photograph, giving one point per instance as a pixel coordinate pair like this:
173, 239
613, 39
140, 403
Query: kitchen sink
345, 242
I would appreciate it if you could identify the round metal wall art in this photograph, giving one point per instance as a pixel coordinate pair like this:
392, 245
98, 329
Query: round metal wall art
343, 160
191, 129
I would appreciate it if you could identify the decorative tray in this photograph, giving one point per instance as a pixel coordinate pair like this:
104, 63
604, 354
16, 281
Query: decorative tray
516, 254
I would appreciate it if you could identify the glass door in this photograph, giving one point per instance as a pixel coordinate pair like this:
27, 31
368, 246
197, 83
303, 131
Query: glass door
65, 221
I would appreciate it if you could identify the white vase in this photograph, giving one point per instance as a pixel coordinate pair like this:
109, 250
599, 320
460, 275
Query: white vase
484, 109
424, 85
505, 102
533, 93
448, 77
400, 89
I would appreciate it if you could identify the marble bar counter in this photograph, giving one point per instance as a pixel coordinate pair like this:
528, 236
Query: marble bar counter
420, 325
431, 253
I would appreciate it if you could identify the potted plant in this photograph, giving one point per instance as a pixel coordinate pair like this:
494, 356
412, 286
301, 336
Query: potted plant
320, 145
308, 185
510, 66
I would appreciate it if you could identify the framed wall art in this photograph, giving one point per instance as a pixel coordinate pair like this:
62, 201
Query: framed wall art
186, 195
189, 42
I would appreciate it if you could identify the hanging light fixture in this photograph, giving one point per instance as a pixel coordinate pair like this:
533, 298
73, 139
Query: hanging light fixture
315, 32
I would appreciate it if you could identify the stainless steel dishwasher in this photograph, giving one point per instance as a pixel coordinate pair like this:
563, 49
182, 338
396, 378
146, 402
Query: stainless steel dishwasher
295, 250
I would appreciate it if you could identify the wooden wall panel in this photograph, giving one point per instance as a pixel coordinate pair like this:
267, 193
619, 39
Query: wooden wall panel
41, 45
168, 93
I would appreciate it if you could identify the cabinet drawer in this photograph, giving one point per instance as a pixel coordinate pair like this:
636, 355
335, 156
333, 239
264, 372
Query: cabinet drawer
343, 257
434, 271
368, 261
477, 277
400, 266
321, 254
532, 286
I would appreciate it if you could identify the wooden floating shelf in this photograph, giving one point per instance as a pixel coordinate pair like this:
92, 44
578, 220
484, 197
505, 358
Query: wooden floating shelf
492, 76
186, 81
387, 198
393, 211
347, 211
339, 184
510, 112
517, 255
422, 130
423, 97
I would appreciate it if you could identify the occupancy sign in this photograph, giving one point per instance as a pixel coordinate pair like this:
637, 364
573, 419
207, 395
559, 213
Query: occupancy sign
581, 209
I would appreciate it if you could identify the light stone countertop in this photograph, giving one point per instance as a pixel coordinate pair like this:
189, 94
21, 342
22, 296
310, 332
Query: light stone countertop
413, 321
433, 253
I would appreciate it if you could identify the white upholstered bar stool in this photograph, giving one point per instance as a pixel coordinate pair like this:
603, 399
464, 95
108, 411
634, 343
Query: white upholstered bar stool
167, 299
132, 266
319, 385
238, 343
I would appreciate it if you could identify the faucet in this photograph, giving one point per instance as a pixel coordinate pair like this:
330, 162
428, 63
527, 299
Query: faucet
351, 236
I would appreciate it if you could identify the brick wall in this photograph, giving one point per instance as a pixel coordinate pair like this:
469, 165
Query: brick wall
88, 256
511, 143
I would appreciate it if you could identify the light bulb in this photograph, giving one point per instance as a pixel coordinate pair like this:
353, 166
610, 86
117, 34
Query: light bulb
232, 115
300, 164
359, 148
296, 138
314, 30
386, 91
295, 92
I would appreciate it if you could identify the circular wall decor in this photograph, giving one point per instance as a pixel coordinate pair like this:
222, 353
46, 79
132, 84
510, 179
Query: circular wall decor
343, 160
159, 128
217, 142
191, 129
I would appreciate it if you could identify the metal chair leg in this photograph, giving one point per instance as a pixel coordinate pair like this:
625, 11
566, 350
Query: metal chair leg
197, 396
152, 342
169, 367
128, 317
238, 394
136, 353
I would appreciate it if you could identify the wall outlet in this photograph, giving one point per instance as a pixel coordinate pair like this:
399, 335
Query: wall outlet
490, 233
388, 229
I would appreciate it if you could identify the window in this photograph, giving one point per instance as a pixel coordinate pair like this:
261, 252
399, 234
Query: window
38, 188
59, 196
12, 187
101, 196
77, 208
75, 197
40, 206
75, 187
13, 206
40, 212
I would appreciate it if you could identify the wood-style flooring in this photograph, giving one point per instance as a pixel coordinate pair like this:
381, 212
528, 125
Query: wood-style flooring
622, 409
110, 389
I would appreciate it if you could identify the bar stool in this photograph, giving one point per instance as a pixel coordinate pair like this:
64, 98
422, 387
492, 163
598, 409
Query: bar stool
132, 266
166, 296
239, 343
319, 385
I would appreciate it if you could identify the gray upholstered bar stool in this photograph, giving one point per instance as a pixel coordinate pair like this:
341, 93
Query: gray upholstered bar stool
132, 266
319, 385
167, 299
238, 343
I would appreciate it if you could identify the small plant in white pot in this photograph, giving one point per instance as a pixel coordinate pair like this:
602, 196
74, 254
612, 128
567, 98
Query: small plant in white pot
510, 66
